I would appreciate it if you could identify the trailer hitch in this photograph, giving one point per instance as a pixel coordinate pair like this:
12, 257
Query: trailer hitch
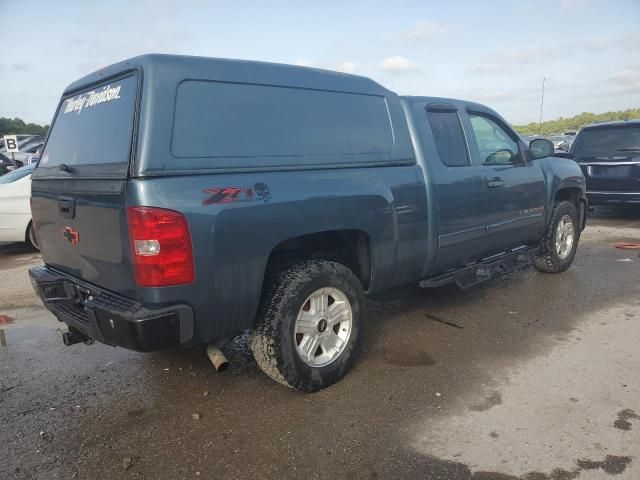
74, 336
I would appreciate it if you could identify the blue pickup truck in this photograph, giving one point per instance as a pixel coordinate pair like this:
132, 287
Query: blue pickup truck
180, 201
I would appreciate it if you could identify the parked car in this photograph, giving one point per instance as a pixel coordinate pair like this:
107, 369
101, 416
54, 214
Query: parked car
609, 155
181, 200
560, 142
27, 153
15, 213
6, 164
29, 145
22, 139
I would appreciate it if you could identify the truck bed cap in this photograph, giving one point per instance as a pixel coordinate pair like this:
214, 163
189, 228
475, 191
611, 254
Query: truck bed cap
238, 71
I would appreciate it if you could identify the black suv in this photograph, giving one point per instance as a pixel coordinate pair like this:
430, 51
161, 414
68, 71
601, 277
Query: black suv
609, 155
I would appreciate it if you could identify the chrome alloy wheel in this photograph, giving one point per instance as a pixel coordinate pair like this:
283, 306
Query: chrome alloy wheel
323, 327
564, 237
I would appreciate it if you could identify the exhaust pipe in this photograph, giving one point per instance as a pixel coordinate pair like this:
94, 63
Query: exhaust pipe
216, 356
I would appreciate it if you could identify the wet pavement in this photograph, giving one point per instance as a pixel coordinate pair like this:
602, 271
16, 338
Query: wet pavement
530, 377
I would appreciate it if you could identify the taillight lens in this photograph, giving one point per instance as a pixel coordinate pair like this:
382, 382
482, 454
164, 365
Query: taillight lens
161, 247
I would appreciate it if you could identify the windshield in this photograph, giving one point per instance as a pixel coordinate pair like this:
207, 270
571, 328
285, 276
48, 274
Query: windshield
608, 142
94, 127
16, 174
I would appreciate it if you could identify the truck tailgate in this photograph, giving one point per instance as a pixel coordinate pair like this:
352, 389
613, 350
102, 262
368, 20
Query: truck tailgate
82, 230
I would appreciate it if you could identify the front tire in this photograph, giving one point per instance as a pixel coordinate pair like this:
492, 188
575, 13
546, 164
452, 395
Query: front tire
560, 242
310, 325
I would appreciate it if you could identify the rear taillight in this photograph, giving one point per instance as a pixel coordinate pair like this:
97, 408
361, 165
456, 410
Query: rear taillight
161, 247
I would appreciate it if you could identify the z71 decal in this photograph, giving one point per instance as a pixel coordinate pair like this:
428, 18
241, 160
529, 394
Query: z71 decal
224, 195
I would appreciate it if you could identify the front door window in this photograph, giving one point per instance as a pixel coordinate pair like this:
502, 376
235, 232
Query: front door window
495, 145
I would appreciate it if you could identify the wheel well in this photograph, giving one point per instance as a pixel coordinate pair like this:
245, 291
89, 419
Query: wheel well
570, 194
349, 247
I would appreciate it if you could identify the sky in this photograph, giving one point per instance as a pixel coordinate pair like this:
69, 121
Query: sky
493, 52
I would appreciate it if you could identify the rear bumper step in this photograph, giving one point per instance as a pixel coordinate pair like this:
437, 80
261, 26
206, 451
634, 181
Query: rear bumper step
109, 318
484, 270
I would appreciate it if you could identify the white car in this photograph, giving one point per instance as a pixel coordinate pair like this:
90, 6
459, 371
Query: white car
15, 211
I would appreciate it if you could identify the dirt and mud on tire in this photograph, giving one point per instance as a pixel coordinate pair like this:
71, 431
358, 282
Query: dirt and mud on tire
275, 341
560, 242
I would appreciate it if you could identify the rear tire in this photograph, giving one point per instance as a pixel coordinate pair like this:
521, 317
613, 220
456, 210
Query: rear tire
560, 242
32, 239
302, 340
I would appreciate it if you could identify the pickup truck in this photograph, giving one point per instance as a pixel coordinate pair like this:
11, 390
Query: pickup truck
609, 155
180, 201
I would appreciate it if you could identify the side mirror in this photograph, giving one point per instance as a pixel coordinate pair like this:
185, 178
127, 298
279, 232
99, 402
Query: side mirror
541, 147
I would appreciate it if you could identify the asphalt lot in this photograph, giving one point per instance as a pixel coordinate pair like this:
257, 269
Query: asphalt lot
530, 377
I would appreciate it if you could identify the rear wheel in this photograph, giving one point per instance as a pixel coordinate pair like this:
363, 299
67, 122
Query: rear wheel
559, 244
32, 239
310, 325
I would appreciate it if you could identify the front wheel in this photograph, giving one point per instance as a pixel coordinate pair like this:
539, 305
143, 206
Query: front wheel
310, 324
560, 242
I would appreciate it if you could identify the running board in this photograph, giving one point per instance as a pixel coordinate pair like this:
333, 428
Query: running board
486, 269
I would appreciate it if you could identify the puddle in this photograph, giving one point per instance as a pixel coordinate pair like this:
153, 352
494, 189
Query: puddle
623, 423
27, 333
489, 402
28, 323
408, 357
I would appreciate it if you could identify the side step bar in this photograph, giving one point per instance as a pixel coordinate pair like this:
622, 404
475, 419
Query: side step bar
486, 269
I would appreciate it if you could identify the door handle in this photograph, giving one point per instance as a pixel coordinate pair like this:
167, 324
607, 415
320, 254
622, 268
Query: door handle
496, 182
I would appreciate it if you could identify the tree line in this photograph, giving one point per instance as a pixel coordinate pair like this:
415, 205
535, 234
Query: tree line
17, 126
576, 122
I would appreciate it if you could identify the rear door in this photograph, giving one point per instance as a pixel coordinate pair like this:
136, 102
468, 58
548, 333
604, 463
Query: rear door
460, 195
515, 187
78, 188
609, 157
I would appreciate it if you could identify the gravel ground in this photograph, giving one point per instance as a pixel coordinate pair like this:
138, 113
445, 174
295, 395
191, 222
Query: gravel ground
528, 377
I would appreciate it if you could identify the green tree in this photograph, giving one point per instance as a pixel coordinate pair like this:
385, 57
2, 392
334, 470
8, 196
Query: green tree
576, 122
17, 126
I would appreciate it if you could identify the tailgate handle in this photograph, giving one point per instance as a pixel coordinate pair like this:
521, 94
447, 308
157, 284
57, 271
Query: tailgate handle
67, 207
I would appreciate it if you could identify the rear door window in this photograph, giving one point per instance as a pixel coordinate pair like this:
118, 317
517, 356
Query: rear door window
449, 137
93, 129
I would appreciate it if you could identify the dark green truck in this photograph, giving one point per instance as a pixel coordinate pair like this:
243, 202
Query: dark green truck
180, 201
